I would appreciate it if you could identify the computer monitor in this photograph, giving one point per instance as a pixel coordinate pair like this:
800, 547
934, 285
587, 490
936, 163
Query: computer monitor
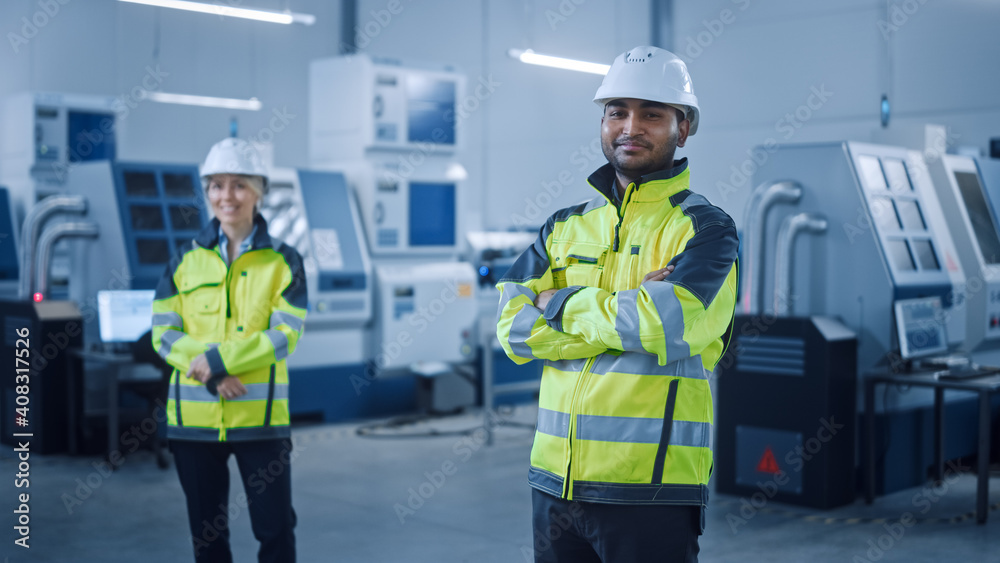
920, 327
124, 316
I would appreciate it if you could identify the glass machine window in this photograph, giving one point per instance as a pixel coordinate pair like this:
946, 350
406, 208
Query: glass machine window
924, 249
146, 217
142, 184
979, 216
909, 212
884, 214
899, 255
178, 185
871, 172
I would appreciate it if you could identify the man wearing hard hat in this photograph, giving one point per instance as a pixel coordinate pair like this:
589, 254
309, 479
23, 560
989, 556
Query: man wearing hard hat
629, 299
229, 309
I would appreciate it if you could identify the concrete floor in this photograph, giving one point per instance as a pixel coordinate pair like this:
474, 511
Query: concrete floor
347, 488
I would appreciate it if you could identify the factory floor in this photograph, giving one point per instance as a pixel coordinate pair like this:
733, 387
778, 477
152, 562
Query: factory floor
443, 499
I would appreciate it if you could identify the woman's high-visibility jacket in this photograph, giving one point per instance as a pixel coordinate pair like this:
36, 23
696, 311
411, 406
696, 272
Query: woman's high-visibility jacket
246, 318
625, 409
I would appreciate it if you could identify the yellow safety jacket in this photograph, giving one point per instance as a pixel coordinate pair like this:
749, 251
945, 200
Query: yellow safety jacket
246, 318
625, 410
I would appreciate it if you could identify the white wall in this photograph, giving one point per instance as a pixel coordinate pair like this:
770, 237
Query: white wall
749, 73
104, 47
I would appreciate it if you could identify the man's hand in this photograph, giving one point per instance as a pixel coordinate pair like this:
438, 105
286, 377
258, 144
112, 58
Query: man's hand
231, 387
543, 298
658, 275
199, 369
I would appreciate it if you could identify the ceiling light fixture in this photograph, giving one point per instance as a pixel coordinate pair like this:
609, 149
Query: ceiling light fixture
533, 58
219, 10
253, 104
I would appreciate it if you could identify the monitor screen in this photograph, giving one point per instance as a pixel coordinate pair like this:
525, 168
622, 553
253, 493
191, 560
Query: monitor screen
124, 316
432, 214
431, 110
9, 266
979, 215
920, 327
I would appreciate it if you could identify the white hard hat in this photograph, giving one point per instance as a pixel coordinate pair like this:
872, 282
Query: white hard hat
234, 156
654, 74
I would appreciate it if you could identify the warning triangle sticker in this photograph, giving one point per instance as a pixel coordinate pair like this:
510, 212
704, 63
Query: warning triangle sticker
767, 463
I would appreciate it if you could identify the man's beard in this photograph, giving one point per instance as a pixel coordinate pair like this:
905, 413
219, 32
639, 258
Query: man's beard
654, 161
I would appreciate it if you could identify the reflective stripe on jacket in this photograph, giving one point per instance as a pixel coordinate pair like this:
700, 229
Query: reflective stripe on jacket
625, 409
246, 318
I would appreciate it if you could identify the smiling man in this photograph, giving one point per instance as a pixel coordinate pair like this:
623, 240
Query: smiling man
629, 300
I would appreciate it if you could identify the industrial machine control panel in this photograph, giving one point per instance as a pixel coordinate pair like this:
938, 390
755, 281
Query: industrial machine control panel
973, 223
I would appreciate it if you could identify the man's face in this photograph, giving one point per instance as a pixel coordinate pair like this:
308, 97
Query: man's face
639, 136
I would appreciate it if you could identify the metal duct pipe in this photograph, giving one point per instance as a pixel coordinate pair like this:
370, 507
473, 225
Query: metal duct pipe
33, 223
789, 231
754, 224
49, 238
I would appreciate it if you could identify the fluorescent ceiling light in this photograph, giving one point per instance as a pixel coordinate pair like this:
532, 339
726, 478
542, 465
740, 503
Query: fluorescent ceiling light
220, 10
253, 104
533, 58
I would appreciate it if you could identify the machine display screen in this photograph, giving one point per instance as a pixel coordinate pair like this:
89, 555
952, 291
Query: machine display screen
895, 170
871, 172
909, 212
924, 250
153, 251
178, 185
900, 256
185, 218
142, 184
979, 215
91, 136
124, 316
146, 217
431, 110
432, 214
885, 214
8, 253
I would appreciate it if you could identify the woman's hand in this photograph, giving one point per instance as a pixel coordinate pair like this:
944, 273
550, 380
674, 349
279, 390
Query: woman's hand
199, 369
231, 387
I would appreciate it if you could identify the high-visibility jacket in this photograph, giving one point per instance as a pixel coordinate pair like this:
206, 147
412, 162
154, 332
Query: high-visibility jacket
246, 318
625, 410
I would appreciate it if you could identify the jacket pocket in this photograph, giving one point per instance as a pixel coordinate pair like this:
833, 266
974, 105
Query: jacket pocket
577, 263
668, 425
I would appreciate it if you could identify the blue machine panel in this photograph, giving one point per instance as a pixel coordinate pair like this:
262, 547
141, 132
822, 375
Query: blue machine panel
161, 208
328, 206
8, 251
91, 136
432, 214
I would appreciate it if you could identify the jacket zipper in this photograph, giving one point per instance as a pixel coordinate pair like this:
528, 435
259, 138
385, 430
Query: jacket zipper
567, 492
621, 215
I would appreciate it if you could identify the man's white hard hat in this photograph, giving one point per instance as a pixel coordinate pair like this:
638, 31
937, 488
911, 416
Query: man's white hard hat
654, 74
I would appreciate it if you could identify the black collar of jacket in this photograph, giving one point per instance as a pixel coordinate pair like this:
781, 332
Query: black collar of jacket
604, 180
209, 237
